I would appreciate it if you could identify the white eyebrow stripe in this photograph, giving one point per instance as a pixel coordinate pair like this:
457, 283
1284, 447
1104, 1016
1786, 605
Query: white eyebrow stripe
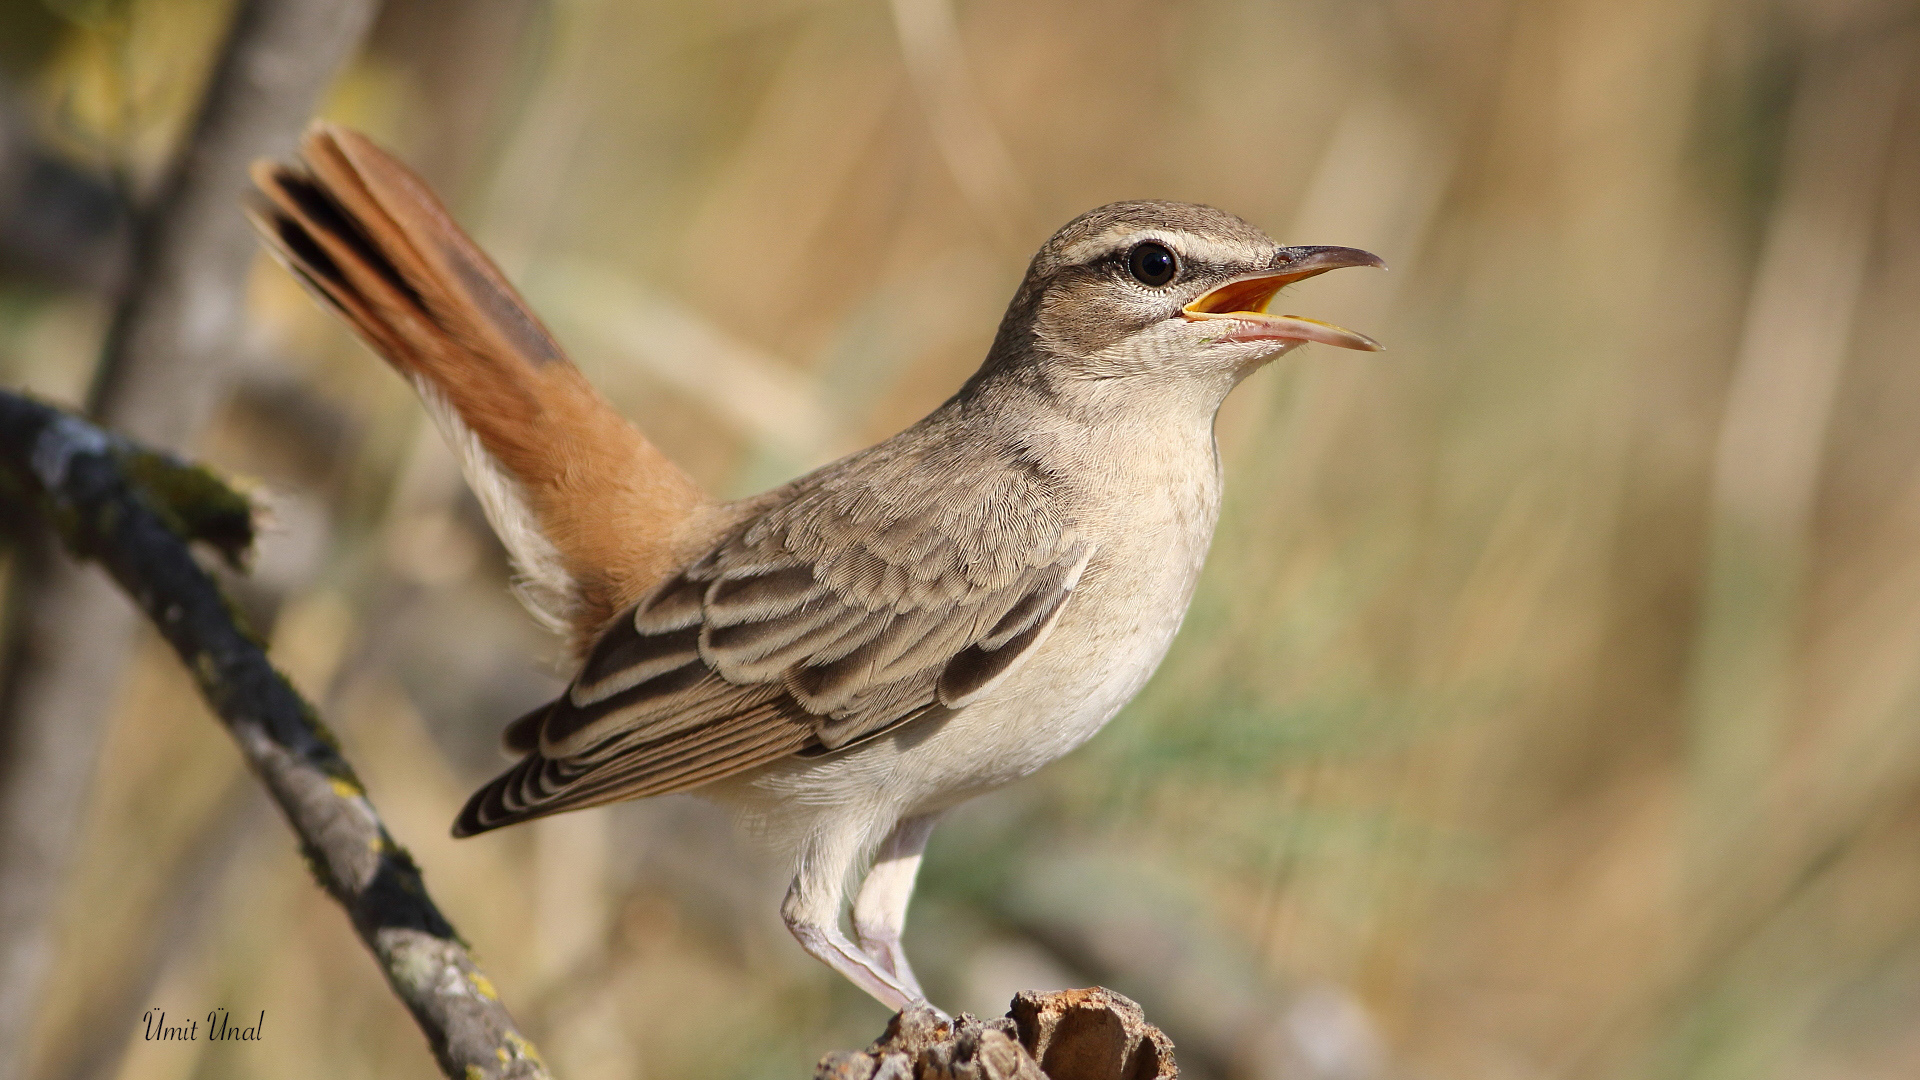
1201, 249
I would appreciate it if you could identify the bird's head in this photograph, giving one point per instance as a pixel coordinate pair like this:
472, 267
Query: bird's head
1163, 288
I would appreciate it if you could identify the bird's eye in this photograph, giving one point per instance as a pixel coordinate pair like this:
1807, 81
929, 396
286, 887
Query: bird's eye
1152, 264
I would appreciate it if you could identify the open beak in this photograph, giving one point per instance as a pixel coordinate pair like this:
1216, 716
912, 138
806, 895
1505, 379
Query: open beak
1245, 301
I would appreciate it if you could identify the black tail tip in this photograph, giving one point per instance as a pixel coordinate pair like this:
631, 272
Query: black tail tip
472, 821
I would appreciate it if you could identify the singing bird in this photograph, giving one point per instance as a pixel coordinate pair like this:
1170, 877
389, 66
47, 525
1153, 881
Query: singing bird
843, 658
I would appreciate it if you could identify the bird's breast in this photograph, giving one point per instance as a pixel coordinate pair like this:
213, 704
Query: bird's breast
1151, 524
1147, 501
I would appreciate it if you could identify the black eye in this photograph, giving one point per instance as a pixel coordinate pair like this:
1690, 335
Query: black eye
1152, 264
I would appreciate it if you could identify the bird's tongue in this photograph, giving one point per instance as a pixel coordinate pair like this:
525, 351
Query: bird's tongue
1260, 326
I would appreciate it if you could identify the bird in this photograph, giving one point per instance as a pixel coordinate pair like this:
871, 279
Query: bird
846, 657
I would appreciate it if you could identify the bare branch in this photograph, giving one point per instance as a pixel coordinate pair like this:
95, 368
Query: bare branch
87, 485
167, 365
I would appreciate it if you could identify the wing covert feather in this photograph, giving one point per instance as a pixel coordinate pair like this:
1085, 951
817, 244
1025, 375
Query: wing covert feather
831, 617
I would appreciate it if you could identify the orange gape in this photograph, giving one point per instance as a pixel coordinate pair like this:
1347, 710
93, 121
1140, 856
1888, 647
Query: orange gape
368, 236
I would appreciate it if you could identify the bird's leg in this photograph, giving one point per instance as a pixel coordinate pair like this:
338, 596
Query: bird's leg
880, 909
812, 912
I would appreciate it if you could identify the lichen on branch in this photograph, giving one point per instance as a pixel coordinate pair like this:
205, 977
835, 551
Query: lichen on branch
135, 512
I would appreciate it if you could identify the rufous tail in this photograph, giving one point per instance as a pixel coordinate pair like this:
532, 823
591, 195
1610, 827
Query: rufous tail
368, 237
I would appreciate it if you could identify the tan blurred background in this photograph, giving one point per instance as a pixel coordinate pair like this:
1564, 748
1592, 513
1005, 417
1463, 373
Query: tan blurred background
1551, 704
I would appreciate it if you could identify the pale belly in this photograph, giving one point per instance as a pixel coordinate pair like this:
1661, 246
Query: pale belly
1106, 646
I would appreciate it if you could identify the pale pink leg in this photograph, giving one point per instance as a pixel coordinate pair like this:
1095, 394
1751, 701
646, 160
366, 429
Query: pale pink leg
880, 910
812, 912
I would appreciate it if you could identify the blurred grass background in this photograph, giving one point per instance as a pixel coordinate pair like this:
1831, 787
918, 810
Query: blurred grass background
1551, 704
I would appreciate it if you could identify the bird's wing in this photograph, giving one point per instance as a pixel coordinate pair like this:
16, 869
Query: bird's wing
830, 618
